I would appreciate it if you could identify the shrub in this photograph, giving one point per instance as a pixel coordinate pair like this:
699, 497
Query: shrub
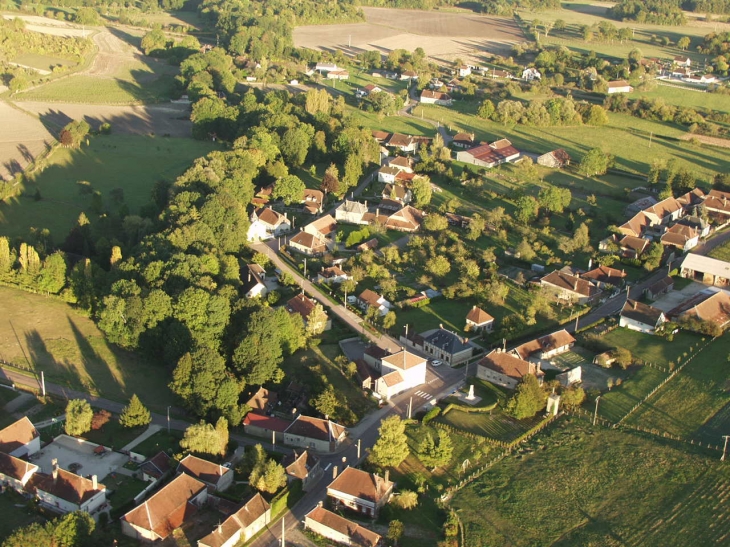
431, 414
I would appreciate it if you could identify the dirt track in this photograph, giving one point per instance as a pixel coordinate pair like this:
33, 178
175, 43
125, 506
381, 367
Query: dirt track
22, 138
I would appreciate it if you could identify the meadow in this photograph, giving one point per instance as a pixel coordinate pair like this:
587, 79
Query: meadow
577, 485
132, 163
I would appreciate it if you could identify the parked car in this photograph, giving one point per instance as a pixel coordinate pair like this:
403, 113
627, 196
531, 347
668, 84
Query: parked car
437, 363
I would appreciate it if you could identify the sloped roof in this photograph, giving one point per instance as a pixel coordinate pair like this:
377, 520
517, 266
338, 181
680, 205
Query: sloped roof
17, 434
315, 428
400, 161
301, 304
313, 195
360, 484
403, 360
570, 283
561, 155
408, 218
507, 364
634, 226
718, 201
447, 341
370, 298
266, 422
642, 313
464, 138
392, 378
605, 274
489, 154
262, 398
380, 135
332, 271
201, 469
16, 468
478, 316
249, 512
618, 83
548, 342
436, 95
66, 486
309, 241
268, 216
399, 191
298, 465
398, 139
637, 244
661, 285
706, 306
157, 465
706, 264
359, 536
324, 225
679, 235
353, 206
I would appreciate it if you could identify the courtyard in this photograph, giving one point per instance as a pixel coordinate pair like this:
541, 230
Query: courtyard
78, 456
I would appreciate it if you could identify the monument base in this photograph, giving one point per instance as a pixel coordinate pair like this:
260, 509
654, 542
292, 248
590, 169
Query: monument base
464, 398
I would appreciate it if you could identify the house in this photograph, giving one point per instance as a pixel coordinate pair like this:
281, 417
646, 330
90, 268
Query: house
313, 200
477, 320
545, 347
604, 276
636, 225
325, 67
351, 212
682, 60
324, 227
463, 140
404, 143
338, 75
380, 136
489, 155
399, 372
530, 74
698, 223
639, 205
408, 219
704, 269
310, 244
370, 244
304, 306
340, 530
718, 202
453, 85
253, 284
395, 192
156, 468
333, 274
557, 159
570, 288
303, 466
241, 526
444, 345
15, 472
65, 492
497, 73
641, 317
570, 377
157, 517
360, 491
373, 355
370, 89
710, 305
661, 287
681, 237
387, 174
401, 163
408, 75
633, 247
619, 86
263, 401
681, 72
216, 476
436, 97
268, 427
315, 434
504, 369
463, 71
267, 223
20, 438
368, 299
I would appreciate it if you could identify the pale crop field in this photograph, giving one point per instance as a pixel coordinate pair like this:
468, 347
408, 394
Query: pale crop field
22, 138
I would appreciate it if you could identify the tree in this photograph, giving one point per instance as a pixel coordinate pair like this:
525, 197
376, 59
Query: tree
435, 223
435, 454
683, 43
526, 210
486, 109
153, 41
326, 402
438, 266
100, 419
573, 397
391, 448
135, 414
528, 400
78, 417
289, 188
476, 227
597, 116
52, 277
266, 474
623, 357
407, 499
204, 438
331, 180
395, 531
421, 189
553, 199
70, 530
525, 250
595, 162
653, 256
316, 321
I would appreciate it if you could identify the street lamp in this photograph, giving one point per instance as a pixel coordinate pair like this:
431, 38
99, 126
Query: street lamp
168, 420
595, 414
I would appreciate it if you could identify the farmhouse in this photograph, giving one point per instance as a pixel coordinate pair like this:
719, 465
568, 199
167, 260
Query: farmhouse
639, 205
315, 434
156, 518
641, 317
340, 530
530, 74
436, 97
602, 276
360, 491
556, 159
325, 67
254, 283
368, 299
338, 75
15, 472
441, 344
268, 427
309, 244
546, 346
719, 203
681, 237
477, 320
633, 247
404, 143
408, 219
704, 269
263, 401
506, 370
20, 438
463, 140
463, 71
65, 492
303, 466
313, 200
682, 60
304, 306
489, 155
397, 193
663, 286
711, 305
371, 89
351, 212
408, 75
619, 86
571, 288
266, 224
216, 476
241, 525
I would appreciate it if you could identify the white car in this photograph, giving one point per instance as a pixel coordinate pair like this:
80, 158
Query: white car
436, 363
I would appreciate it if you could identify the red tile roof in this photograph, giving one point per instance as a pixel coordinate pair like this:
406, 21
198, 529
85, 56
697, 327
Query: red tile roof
298, 465
507, 364
266, 422
66, 486
16, 468
301, 304
360, 484
570, 283
545, 343
17, 434
315, 428
249, 513
202, 470
478, 316
359, 536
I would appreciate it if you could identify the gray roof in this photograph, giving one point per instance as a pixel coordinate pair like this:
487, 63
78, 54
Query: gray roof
705, 264
353, 207
447, 341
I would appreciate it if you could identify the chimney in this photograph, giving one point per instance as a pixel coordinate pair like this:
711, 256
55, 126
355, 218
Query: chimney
334, 472
576, 284
634, 304
387, 475
220, 528
474, 307
54, 468
366, 204
94, 482
441, 326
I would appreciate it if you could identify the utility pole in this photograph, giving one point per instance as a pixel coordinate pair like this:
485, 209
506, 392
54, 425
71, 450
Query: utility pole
43, 384
724, 448
410, 408
651, 134
595, 414
273, 438
358, 448
168, 420
305, 267
283, 533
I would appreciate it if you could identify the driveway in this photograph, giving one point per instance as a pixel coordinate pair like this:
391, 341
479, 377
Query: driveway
675, 298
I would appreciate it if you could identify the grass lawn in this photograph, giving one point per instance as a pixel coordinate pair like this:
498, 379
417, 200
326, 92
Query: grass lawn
608, 488
12, 516
615, 404
126, 160
113, 434
160, 441
721, 252
7, 395
393, 124
654, 349
687, 98
43, 62
47, 334
693, 397
495, 425
489, 393
124, 487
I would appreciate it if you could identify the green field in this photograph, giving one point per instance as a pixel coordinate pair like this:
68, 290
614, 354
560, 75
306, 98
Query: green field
697, 394
615, 404
575, 485
654, 349
47, 334
42, 62
127, 163
160, 442
12, 516
687, 98
721, 252
406, 125
113, 434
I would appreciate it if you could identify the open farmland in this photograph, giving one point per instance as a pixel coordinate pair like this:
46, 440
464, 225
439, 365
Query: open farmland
46, 25
22, 138
576, 485
449, 35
